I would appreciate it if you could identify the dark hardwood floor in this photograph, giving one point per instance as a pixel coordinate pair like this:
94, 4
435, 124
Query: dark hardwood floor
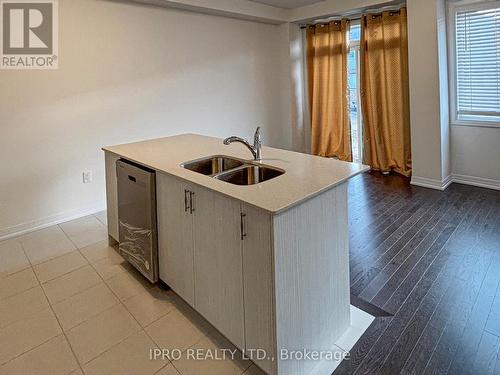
431, 260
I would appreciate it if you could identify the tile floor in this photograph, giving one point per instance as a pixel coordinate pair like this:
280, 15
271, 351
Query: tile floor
70, 304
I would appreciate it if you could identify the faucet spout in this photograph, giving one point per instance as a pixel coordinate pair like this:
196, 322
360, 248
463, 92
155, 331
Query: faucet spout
255, 149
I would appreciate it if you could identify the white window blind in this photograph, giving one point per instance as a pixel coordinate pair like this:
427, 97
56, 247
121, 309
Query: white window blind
478, 64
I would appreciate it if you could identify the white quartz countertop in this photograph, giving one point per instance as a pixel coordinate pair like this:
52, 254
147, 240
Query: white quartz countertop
306, 175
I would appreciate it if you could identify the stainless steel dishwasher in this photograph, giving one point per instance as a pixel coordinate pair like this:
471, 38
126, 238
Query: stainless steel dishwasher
137, 217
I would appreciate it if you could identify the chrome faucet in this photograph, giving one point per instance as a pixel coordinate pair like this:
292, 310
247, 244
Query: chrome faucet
257, 143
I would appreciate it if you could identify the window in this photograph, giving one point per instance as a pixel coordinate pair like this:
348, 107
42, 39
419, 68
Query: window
354, 100
475, 63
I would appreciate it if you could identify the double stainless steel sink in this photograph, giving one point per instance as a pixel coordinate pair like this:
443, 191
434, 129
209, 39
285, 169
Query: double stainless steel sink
233, 170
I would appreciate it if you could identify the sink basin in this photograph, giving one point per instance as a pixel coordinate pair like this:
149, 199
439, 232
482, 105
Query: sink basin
250, 175
232, 170
213, 165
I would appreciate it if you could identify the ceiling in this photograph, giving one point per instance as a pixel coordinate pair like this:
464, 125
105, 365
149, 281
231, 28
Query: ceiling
288, 4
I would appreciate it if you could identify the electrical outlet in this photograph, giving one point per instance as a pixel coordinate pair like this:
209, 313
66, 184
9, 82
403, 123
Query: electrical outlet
87, 177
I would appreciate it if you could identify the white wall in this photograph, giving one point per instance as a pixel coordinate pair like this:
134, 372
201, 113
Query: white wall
444, 87
441, 153
424, 89
130, 72
300, 117
428, 94
475, 154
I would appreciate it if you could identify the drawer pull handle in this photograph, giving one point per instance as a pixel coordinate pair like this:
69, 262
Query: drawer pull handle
186, 207
242, 225
191, 202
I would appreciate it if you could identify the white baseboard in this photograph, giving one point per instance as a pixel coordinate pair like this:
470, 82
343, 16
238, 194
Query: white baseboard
487, 183
431, 183
455, 178
30, 226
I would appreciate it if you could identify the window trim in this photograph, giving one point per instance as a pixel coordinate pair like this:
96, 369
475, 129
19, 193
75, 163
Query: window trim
453, 8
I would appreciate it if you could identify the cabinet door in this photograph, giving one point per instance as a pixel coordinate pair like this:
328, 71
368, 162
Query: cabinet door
218, 263
258, 284
175, 237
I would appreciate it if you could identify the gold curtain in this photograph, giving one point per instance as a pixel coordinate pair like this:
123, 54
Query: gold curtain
328, 95
385, 92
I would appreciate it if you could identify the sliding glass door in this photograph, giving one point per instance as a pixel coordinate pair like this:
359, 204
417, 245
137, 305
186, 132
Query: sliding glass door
354, 93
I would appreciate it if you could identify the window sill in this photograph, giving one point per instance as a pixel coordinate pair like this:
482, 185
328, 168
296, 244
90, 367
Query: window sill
477, 124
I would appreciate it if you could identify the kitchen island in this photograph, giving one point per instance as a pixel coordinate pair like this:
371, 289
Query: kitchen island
266, 264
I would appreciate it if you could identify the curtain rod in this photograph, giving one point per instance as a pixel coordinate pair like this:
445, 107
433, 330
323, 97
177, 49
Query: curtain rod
354, 16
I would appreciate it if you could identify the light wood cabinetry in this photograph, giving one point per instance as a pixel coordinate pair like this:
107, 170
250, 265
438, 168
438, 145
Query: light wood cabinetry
218, 263
258, 285
219, 251
266, 281
175, 236
311, 276
200, 252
